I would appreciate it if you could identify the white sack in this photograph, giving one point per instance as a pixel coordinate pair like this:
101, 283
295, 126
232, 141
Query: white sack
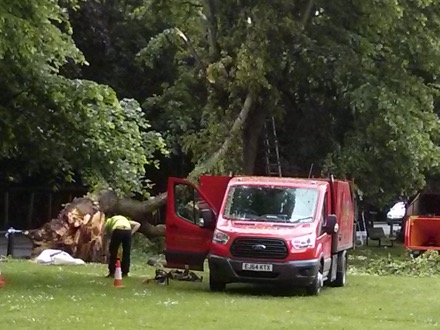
57, 257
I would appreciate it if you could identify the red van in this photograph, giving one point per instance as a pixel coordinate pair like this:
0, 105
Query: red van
288, 231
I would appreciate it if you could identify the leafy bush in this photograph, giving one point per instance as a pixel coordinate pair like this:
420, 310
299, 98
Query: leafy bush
427, 264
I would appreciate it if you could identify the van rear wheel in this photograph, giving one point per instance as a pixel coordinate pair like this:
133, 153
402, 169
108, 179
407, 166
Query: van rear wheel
341, 273
215, 285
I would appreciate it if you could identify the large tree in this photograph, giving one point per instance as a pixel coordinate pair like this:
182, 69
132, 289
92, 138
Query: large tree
352, 85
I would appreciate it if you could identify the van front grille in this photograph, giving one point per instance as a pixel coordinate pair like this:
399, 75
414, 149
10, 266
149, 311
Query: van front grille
259, 248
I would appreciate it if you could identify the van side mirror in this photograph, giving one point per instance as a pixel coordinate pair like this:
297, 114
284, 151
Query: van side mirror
208, 217
331, 224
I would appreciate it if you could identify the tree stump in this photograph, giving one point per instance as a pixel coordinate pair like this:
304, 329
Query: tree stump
77, 230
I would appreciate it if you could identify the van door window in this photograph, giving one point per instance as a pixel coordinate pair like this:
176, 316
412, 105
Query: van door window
188, 204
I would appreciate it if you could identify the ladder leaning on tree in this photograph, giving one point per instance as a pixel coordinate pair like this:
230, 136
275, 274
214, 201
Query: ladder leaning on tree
273, 165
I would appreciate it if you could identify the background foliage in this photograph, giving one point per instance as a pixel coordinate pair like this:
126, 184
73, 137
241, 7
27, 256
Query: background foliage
63, 127
352, 86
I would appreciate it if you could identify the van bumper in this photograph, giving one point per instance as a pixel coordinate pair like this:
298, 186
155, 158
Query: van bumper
293, 273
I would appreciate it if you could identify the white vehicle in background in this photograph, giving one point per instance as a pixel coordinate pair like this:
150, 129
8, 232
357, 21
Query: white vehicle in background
396, 214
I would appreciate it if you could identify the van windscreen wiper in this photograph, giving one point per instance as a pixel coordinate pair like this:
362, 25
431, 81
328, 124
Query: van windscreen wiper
302, 219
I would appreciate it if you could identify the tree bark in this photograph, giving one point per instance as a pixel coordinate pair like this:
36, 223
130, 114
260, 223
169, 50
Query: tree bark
140, 211
210, 12
251, 135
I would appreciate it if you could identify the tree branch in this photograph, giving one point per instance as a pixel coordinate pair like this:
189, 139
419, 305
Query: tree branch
12, 97
210, 10
307, 13
142, 211
189, 3
191, 48
238, 124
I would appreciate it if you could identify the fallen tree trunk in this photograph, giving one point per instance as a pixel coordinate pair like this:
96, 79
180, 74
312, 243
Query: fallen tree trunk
78, 228
140, 211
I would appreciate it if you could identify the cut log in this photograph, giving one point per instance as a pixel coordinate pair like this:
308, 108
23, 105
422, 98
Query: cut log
77, 230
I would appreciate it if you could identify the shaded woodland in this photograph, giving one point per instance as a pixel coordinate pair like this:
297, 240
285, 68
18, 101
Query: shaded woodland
123, 94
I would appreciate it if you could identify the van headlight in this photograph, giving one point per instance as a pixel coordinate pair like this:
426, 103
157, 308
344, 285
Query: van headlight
303, 242
220, 237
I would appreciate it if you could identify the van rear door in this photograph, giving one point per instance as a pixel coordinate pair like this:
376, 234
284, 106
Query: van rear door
214, 188
188, 232
344, 210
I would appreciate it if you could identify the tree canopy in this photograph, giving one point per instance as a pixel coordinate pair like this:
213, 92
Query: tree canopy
66, 127
352, 87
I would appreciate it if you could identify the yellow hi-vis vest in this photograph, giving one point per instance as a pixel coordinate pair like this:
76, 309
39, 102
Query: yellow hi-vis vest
117, 221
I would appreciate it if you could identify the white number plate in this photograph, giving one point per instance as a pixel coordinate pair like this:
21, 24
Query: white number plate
257, 267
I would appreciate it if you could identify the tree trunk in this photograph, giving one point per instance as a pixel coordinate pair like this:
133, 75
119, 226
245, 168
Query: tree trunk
209, 7
78, 228
251, 135
142, 212
221, 152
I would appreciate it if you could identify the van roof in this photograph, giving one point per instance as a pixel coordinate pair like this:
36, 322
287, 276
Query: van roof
284, 181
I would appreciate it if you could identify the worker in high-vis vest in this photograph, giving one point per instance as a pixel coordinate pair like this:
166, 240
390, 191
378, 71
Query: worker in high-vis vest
120, 230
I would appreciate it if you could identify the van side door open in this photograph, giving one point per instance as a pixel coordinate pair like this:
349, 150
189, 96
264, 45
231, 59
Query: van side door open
190, 224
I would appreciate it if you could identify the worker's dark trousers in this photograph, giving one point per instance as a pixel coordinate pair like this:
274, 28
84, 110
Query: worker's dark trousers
120, 236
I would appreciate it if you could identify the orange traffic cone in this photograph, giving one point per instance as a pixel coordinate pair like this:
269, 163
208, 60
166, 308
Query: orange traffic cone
2, 282
118, 275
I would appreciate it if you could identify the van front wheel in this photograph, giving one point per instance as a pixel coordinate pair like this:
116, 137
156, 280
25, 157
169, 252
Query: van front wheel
215, 285
314, 289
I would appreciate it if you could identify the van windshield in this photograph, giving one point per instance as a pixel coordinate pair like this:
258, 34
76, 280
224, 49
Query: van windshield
271, 204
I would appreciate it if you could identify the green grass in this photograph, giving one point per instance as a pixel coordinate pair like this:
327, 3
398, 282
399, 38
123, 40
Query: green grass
78, 297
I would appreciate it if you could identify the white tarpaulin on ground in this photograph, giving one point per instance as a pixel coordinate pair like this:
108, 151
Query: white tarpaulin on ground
57, 257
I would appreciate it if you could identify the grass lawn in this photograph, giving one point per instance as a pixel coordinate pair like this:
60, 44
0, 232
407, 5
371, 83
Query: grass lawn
78, 297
